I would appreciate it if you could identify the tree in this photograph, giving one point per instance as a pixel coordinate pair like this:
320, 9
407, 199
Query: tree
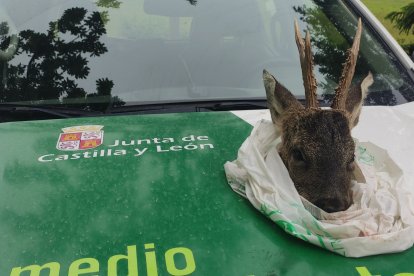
403, 19
330, 43
114, 4
58, 58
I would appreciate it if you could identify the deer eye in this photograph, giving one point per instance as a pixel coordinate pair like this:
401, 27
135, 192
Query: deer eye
298, 156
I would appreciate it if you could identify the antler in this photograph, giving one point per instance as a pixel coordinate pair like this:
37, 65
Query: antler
306, 63
347, 71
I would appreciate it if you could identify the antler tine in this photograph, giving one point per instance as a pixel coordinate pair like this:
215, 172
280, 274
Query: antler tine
306, 63
347, 71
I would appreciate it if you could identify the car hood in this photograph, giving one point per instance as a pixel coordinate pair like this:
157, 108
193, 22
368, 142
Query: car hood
145, 194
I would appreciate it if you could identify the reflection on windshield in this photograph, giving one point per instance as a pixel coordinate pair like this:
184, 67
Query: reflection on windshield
102, 53
56, 59
330, 44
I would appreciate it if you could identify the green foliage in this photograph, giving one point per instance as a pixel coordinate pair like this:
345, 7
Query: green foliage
330, 45
381, 8
403, 19
108, 3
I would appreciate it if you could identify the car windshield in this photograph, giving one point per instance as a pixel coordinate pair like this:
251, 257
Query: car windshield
111, 53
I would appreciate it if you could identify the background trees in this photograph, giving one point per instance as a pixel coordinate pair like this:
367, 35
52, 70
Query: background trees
57, 58
403, 20
382, 9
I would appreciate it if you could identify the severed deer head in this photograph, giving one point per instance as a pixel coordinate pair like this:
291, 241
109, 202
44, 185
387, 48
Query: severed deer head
317, 148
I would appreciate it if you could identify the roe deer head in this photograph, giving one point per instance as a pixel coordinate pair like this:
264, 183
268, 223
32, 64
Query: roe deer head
317, 148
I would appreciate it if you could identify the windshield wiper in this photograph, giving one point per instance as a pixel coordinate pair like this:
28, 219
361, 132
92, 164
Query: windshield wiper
21, 112
239, 105
190, 106
198, 106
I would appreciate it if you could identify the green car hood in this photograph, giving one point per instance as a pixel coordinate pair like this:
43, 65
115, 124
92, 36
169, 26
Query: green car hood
144, 195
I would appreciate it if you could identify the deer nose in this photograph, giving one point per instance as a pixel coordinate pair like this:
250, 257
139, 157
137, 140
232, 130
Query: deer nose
332, 205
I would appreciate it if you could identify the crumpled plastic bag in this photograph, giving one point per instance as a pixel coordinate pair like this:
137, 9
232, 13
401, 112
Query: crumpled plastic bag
381, 219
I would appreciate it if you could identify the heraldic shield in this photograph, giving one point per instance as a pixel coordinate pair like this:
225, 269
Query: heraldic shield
80, 138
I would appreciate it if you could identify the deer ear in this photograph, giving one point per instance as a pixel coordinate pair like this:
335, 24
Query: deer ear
355, 99
279, 98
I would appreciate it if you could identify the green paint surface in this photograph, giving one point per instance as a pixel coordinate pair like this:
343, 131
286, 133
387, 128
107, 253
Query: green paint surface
168, 211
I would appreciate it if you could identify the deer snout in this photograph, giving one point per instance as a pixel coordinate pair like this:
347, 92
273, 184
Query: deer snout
332, 205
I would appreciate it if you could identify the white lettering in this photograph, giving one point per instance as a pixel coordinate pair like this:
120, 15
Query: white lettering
115, 144
131, 143
62, 157
167, 140
188, 138
203, 146
120, 152
190, 147
159, 149
43, 158
176, 148
147, 141
202, 138
140, 152
75, 156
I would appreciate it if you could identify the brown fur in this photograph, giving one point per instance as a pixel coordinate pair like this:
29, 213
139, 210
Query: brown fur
317, 147
323, 139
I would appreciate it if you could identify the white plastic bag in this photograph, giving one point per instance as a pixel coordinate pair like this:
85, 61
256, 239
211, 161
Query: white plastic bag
381, 220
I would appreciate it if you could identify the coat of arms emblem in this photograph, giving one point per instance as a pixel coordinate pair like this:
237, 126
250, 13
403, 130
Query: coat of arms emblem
80, 138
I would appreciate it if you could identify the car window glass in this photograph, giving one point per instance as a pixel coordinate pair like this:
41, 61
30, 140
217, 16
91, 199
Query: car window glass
133, 51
